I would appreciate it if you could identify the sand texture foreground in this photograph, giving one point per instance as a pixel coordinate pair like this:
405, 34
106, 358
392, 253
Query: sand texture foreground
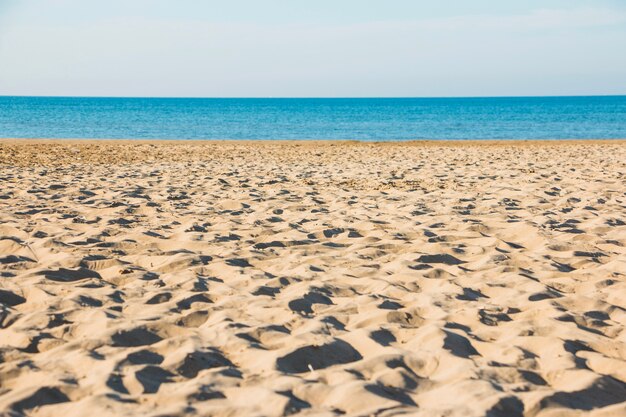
269, 279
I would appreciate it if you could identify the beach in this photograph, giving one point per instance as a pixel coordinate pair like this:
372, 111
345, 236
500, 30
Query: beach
318, 278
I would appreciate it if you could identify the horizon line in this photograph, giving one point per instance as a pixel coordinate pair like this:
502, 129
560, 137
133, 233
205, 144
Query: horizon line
313, 97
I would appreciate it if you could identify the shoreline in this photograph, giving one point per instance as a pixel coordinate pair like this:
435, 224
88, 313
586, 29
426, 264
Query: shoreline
62, 152
313, 141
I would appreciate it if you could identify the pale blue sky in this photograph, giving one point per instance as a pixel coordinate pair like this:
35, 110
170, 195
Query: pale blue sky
322, 48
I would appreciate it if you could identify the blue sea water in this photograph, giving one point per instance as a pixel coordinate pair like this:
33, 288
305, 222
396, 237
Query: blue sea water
382, 119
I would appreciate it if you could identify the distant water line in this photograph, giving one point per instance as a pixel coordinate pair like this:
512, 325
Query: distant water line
379, 119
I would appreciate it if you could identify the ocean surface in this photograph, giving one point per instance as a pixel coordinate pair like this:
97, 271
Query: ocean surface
381, 119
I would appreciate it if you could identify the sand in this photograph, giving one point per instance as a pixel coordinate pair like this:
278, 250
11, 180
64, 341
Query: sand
318, 278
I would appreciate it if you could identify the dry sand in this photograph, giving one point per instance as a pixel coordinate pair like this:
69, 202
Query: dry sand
267, 279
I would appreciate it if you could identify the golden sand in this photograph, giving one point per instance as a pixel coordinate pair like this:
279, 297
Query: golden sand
312, 278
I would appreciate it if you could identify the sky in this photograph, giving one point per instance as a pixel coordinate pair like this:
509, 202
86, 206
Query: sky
312, 48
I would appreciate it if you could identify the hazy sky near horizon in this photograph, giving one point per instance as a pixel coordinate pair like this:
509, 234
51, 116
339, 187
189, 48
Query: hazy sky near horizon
322, 48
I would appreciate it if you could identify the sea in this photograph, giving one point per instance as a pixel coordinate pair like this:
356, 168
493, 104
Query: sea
366, 119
